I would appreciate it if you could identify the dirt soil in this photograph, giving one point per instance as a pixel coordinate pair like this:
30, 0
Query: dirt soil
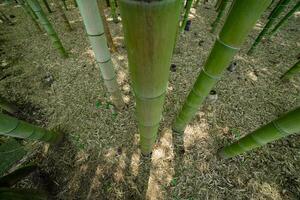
100, 158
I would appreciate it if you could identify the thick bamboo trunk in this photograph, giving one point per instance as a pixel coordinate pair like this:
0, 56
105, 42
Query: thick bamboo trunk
275, 13
285, 18
241, 19
279, 128
295, 69
31, 14
10, 126
8, 106
150, 30
221, 13
106, 28
113, 10
94, 27
35, 6
186, 14
64, 16
47, 6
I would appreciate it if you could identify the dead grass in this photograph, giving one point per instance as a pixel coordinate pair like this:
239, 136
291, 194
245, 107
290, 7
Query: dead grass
101, 159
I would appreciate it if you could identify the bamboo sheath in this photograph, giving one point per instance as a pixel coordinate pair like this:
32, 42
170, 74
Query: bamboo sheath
285, 18
295, 69
10, 126
150, 30
94, 27
241, 19
275, 13
186, 14
279, 128
35, 6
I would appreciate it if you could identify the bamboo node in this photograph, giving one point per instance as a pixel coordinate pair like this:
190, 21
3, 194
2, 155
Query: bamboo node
227, 45
283, 132
211, 76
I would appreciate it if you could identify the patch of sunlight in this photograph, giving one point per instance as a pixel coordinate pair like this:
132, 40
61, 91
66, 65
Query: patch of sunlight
121, 57
252, 76
95, 183
258, 26
75, 182
121, 76
297, 14
270, 191
136, 156
126, 99
196, 132
162, 168
119, 173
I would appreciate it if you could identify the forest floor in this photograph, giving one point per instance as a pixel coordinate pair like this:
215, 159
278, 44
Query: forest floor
100, 158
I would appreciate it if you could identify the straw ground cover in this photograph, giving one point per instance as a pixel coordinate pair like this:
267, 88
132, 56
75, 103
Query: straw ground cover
101, 159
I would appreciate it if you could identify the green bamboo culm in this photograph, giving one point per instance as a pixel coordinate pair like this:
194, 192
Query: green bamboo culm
10, 126
47, 6
5, 105
275, 13
94, 27
113, 10
31, 14
286, 125
295, 69
150, 30
285, 18
241, 19
186, 14
35, 6
220, 15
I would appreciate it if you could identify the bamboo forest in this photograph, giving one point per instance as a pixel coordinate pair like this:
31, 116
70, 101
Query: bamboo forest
150, 99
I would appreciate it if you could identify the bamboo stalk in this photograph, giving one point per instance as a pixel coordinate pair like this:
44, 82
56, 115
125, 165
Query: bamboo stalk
106, 29
10, 126
241, 19
222, 9
8, 106
64, 16
113, 9
94, 27
295, 69
279, 9
47, 6
285, 18
35, 6
279, 128
186, 14
150, 31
